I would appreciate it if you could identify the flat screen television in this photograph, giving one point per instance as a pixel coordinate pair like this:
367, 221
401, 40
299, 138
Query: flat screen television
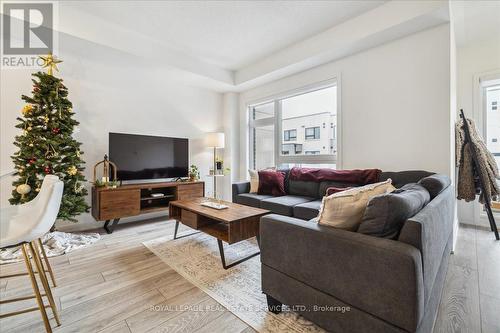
139, 157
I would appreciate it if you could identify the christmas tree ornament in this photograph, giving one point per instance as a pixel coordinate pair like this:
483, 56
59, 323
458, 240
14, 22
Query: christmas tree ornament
27, 110
37, 189
23, 189
29, 128
50, 62
32, 160
46, 119
72, 170
47, 169
56, 130
31, 144
78, 187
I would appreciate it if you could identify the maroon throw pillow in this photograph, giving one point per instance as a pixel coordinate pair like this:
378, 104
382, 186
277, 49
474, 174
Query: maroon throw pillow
271, 183
333, 190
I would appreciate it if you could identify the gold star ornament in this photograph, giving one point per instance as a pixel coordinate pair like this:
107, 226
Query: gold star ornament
50, 62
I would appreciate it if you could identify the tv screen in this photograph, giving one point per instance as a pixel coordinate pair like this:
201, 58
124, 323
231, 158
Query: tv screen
148, 157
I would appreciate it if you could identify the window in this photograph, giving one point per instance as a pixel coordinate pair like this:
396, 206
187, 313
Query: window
291, 126
290, 135
291, 149
312, 133
262, 136
492, 96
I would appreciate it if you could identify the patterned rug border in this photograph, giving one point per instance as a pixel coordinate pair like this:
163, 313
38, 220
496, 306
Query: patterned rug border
207, 291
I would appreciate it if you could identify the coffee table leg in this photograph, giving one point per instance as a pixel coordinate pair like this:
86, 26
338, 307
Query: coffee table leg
223, 258
177, 228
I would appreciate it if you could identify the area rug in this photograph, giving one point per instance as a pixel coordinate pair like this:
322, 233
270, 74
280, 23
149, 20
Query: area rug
55, 244
238, 289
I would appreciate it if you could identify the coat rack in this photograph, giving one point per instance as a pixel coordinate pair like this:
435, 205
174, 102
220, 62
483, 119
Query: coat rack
487, 204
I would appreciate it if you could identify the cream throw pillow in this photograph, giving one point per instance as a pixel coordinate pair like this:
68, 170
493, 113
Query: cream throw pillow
254, 180
344, 210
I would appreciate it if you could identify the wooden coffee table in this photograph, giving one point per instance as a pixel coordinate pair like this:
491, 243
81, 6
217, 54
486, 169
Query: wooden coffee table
231, 225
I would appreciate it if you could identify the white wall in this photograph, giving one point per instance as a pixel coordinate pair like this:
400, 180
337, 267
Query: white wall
473, 60
231, 150
115, 92
395, 104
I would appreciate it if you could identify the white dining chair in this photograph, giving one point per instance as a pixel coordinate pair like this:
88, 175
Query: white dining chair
25, 225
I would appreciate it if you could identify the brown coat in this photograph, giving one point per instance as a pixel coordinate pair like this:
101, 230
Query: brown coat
467, 174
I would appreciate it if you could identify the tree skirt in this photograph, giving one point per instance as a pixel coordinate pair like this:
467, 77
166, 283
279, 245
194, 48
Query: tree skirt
238, 289
55, 243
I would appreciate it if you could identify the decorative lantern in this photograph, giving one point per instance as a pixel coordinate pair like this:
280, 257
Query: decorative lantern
106, 164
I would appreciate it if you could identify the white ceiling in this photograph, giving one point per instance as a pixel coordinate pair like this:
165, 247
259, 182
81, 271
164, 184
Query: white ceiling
236, 45
228, 34
476, 21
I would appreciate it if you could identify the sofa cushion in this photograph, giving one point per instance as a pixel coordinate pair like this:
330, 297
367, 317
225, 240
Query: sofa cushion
302, 188
385, 214
271, 183
344, 210
435, 184
251, 199
333, 190
323, 186
308, 210
401, 178
286, 171
284, 205
254, 180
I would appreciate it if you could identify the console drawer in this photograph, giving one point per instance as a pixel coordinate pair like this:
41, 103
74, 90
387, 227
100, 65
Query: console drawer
119, 203
189, 191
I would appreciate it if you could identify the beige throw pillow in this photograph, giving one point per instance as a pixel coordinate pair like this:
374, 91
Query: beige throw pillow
254, 180
344, 210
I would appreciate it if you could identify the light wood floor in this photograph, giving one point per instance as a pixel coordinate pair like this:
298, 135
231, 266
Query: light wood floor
471, 296
117, 285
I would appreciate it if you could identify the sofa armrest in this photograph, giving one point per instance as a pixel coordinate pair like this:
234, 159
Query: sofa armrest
241, 187
379, 276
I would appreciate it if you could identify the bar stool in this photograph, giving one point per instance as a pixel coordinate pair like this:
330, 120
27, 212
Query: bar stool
24, 225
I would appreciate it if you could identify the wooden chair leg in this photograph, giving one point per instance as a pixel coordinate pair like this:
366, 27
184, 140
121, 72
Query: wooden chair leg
34, 284
45, 282
47, 263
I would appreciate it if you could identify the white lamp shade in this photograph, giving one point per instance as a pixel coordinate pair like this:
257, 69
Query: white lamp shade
215, 140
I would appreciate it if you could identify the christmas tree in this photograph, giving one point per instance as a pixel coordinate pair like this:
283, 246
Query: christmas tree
46, 145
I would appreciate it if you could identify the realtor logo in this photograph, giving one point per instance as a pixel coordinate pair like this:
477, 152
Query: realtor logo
27, 30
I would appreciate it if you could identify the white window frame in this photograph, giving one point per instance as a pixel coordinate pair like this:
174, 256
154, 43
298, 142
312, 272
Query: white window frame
479, 114
278, 137
258, 123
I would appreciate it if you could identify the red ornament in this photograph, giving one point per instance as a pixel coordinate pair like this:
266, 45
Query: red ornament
32, 160
47, 170
36, 89
56, 130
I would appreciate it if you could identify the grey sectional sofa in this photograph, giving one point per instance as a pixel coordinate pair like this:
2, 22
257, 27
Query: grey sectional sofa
351, 282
